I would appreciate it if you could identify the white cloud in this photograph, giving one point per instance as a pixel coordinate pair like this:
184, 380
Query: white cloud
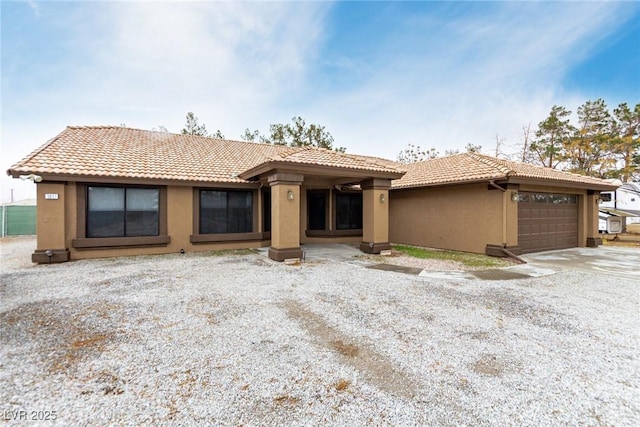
471, 78
228, 62
148, 64
437, 82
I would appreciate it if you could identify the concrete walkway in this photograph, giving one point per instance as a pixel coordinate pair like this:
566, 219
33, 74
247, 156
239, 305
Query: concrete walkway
331, 252
337, 252
618, 262
612, 261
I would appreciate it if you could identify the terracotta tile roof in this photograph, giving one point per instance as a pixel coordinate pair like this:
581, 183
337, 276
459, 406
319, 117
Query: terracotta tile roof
110, 151
473, 167
133, 153
324, 157
118, 152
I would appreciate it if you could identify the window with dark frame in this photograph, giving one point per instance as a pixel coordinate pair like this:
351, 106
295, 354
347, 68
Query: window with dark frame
226, 211
122, 211
349, 211
266, 211
317, 210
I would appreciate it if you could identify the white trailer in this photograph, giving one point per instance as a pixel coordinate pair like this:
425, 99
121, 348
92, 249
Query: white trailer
619, 208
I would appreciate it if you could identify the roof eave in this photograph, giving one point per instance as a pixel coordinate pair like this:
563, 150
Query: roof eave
448, 183
551, 182
335, 171
53, 177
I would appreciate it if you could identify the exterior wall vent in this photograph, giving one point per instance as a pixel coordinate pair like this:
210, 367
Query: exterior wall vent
614, 224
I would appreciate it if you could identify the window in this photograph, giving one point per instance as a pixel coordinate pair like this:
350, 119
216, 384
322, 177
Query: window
226, 211
539, 198
266, 211
317, 210
122, 211
348, 211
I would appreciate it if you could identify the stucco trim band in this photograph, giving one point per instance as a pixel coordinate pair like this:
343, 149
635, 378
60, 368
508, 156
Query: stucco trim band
334, 233
57, 255
374, 248
111, 242
282, 254
594, 242
225, 237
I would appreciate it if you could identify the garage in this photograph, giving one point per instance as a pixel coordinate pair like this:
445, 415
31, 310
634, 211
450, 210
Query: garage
547, 221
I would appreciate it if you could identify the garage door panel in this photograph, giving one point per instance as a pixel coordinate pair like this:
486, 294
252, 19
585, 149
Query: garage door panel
547, 221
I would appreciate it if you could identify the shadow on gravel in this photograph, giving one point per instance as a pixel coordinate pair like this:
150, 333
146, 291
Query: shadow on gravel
396, 268
374, 367
498, 274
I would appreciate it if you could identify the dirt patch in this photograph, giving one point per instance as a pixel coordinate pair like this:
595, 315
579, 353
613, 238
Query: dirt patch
65, 334
398, 259
342, 385
488, 364
348, 350
376, 369
286, 400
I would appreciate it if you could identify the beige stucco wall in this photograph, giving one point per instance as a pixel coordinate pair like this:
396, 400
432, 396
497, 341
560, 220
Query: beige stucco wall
592, 216
51, 225
375, 216
179, 227
58, 223
285, 216
461, 217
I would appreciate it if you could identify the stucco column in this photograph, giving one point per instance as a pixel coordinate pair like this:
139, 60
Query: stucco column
375, 215
592, 208
285, 216
50, 224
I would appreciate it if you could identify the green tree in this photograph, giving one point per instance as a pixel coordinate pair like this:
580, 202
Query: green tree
218, 134
553, 134
627, 144
254, 136
591, 149
277, 134
470, 148
299, 134
192, 127
414, 153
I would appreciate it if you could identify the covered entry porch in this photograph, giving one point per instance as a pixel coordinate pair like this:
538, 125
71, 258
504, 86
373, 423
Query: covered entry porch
332, 199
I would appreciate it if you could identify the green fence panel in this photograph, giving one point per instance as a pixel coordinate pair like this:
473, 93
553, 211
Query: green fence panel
19, 220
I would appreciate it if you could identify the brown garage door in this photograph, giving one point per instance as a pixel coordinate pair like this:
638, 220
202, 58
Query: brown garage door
547, 221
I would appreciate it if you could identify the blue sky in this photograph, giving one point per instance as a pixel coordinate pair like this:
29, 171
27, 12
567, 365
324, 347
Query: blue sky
378, 75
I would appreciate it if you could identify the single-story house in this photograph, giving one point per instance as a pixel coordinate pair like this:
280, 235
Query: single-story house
108, 191
476, 203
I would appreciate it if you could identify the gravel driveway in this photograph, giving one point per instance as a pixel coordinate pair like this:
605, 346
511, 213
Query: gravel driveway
240, 340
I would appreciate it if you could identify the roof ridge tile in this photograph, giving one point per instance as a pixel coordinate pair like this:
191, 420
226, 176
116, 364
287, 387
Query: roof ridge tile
491, 161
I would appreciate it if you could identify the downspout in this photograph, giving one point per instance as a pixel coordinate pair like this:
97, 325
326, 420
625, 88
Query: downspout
512, 255
496, 186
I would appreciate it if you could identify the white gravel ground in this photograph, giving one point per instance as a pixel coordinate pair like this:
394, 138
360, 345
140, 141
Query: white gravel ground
239, 340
